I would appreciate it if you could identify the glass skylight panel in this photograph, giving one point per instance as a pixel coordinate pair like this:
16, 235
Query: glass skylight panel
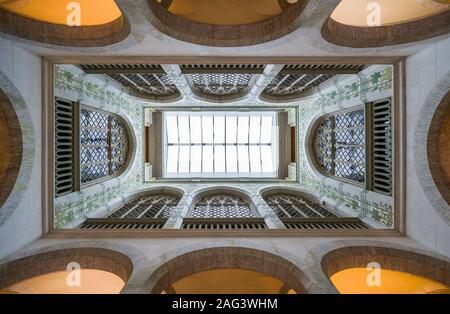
172, 130
219, 158
184, 159
208, 129
220, 144
243, 129
243, 160
231, 129
266, 159
208, 158
172, 159
266, 130
196, 159
255, 158
231, 157
183, 130
196, 130
219, 129
255, 130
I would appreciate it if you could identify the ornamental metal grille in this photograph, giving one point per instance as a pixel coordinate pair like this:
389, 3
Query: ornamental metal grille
219, 84
64, 147
222, 206
339, 146
382, 146
154, 206
146, 83
292, 206
103, 145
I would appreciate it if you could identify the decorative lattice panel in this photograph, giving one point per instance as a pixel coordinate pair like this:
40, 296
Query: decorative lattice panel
154, 206
218, 84
103, 145
381, 113
149, 84
222, 206
294, 79
339, 146
292, 206
144, 79
64, 147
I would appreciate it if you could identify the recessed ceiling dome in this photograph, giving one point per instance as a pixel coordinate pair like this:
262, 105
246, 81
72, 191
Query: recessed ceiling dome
227, 23
96, 12
356, 13
365, 23
82, 23
226, 12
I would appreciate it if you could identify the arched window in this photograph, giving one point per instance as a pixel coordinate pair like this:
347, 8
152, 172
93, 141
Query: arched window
339, 146
295, 206
90, 145
103, 145
222, 206
153, 206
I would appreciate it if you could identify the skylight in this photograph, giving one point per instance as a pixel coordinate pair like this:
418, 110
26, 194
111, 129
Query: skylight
220, 144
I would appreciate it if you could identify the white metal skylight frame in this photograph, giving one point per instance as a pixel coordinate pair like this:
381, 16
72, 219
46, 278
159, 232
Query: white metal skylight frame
220, 144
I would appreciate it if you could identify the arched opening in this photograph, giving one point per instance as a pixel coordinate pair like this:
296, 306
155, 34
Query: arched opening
213, 269
11, 154
83, 23
372, 270
154, 204
226, 23
364, 23
438, 148
287, 203
222, 204
227, 281
73, 271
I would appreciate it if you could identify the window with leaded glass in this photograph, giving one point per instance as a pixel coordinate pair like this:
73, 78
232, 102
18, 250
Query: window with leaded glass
340, 146
103, 145
222, 206
152, 206
293, 206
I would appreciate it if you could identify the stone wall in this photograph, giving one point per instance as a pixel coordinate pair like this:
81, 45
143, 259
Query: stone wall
373, 83
20, 81
428, 81
72, 84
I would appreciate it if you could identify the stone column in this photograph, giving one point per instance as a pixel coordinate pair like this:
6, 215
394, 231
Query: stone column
270, 218
175, 220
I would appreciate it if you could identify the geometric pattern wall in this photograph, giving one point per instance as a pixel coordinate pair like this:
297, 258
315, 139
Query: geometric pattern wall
339, 146
222, 206
103, 145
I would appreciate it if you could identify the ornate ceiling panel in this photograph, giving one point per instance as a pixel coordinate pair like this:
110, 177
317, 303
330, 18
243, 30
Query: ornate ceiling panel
222, 82
143, 80
295, 79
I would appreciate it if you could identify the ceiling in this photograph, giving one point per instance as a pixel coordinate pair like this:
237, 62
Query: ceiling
220, 82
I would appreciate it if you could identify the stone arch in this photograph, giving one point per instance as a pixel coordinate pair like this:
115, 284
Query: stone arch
122, 260
171, 197
18, 173
429, 169
412, 30
329, 258
200, 258
64, 35
227, 35
233, 191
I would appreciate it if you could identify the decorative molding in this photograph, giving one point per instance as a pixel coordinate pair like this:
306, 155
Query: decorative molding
26, 144
388, 35
430, 116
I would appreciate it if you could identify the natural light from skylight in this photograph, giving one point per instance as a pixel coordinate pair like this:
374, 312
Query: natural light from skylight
220, 144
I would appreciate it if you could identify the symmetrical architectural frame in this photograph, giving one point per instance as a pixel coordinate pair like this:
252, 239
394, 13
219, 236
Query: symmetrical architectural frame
384, 60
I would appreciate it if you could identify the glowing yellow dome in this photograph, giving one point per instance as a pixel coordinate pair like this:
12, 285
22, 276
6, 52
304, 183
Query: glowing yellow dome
92, 12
